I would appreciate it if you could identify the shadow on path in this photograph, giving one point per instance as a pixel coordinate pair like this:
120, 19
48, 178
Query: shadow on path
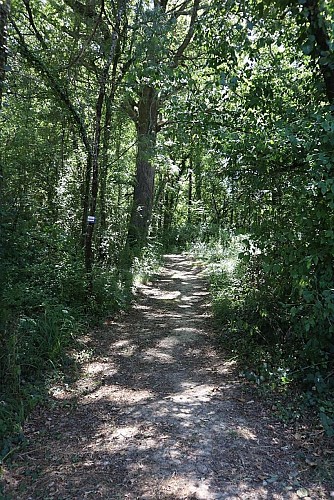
160, 415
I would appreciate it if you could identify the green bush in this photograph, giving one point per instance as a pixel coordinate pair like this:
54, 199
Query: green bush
269, 334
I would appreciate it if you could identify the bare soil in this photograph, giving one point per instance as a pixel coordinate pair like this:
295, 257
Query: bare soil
159, 413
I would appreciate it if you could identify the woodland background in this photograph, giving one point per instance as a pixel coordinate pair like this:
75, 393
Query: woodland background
175, 124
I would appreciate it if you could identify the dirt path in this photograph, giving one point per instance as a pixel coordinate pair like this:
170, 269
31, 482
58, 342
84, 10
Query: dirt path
158, 414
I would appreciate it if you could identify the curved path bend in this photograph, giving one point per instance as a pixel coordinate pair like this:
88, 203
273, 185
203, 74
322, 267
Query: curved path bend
158, 413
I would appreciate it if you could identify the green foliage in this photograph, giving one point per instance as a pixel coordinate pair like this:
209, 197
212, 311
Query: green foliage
110, 294
244, 146
257, 326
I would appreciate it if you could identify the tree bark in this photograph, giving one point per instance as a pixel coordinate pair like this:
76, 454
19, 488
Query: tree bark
4, 12
95, 181
190, 193
145, 171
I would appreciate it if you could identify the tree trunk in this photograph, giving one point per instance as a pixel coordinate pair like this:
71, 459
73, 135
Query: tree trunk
145, 172
112, 59
95, 180
190, 194
168, 213
4, 12
322, 45
103, 180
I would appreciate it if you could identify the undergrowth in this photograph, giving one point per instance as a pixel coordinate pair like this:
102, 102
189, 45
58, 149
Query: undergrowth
41, 322
254, 322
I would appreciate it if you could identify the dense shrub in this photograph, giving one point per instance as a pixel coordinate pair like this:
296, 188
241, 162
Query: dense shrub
253, 308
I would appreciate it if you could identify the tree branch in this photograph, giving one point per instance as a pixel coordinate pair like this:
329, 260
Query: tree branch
33, 25
88, 13
187, 39
55, 85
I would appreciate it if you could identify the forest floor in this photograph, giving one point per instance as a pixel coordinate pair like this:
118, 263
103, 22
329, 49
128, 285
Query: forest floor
158, 412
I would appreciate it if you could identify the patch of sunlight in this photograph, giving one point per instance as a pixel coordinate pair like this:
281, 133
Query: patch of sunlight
149, 290
127, 432
230, 264
130, 395
182, 487
184, 306
141, 307
168, 342
164, 314
97, 367
129, 351
175, 453
187, 297
193, 394
245, 433
225, 367
180, 275
156, 355
169, 295
245, 490
60, 392
181, 414
119, 394
121, 343
134, 466
124, 347
148, 443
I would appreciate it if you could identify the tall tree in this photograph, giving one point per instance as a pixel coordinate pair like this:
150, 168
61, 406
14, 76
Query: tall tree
145, 110
4, 13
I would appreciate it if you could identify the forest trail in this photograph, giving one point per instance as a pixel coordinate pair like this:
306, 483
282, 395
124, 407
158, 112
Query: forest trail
158, 414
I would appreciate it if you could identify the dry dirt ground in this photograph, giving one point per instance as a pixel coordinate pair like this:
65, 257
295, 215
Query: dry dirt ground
158, 413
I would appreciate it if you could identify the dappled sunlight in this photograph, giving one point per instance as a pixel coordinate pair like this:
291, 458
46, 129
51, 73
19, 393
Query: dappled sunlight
200, 294
97, 367
140, 307
124, 433
124, 347
168, 342
153, 355
156, 414
199, 489
184, 306
193, 394
187, 298
113, 393
245, 433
